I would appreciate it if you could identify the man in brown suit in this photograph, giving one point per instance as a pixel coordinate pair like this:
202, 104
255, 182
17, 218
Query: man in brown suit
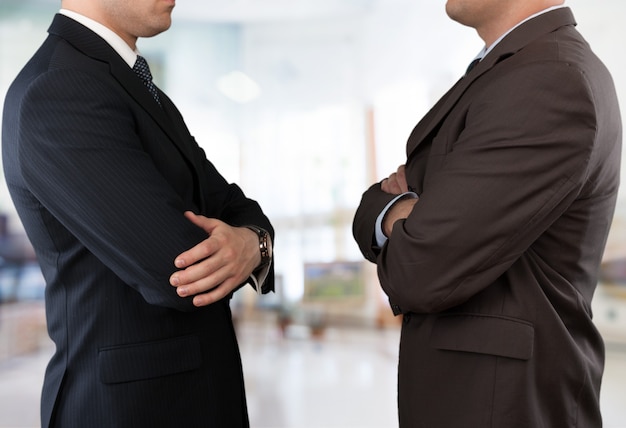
489, 240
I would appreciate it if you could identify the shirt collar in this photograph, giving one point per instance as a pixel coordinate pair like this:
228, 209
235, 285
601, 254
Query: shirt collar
116, 42
488, 49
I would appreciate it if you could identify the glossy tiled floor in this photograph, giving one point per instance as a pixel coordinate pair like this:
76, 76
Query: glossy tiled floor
346, 379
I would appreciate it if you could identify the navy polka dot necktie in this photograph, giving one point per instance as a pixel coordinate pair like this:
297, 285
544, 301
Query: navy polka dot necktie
143, 71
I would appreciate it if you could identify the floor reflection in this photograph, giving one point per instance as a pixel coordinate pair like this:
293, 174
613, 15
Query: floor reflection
345, 378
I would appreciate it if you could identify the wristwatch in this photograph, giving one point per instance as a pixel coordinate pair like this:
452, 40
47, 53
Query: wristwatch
265, 246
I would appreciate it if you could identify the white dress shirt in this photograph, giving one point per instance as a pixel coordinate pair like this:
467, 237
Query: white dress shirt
126, 52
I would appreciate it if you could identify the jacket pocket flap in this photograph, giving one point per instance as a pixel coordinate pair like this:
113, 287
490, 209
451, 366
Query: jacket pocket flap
484, 334
129, 363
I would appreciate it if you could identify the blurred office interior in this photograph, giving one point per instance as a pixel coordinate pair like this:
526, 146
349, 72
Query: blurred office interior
305, 103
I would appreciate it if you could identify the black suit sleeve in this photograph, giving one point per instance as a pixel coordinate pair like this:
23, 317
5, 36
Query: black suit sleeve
82, 158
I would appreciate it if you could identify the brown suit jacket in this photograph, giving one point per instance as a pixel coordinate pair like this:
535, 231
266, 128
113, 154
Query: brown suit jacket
517, 169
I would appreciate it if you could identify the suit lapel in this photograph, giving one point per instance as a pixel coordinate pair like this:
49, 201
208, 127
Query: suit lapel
511, 44
95, 47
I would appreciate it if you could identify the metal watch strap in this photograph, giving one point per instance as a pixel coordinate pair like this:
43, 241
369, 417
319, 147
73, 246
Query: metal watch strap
264, 245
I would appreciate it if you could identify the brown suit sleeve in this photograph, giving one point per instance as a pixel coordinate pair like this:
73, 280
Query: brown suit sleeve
501, 169
373, 202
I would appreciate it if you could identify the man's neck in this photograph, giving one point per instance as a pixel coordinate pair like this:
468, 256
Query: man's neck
91, 10
127, 53
491, 42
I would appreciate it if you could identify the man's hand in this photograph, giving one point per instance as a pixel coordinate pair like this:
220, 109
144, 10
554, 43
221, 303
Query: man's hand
395, 183
398, 211
217, 265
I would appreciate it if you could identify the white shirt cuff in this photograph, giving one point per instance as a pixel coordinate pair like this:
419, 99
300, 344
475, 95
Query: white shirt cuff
378, 230
259, 277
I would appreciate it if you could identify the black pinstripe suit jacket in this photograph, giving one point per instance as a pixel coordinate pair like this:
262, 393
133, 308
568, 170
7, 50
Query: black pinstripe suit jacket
100, 176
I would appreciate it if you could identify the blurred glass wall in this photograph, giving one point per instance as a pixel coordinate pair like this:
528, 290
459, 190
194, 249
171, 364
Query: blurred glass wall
306, 103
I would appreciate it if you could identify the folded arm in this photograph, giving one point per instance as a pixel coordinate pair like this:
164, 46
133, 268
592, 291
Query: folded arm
513, 169
88, 168
218, 265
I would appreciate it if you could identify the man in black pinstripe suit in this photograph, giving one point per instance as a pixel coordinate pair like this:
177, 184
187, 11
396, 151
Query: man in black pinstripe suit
105, 179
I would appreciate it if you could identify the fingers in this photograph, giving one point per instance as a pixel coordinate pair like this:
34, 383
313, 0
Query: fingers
200, 252
208, 224
209, 290
216, 294
204, 249
204, 266
200, 277
219, 264
396, 182
401, 179
390, 185
208, 281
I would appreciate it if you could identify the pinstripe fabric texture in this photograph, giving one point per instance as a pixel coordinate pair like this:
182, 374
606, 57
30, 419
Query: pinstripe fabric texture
100, 176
